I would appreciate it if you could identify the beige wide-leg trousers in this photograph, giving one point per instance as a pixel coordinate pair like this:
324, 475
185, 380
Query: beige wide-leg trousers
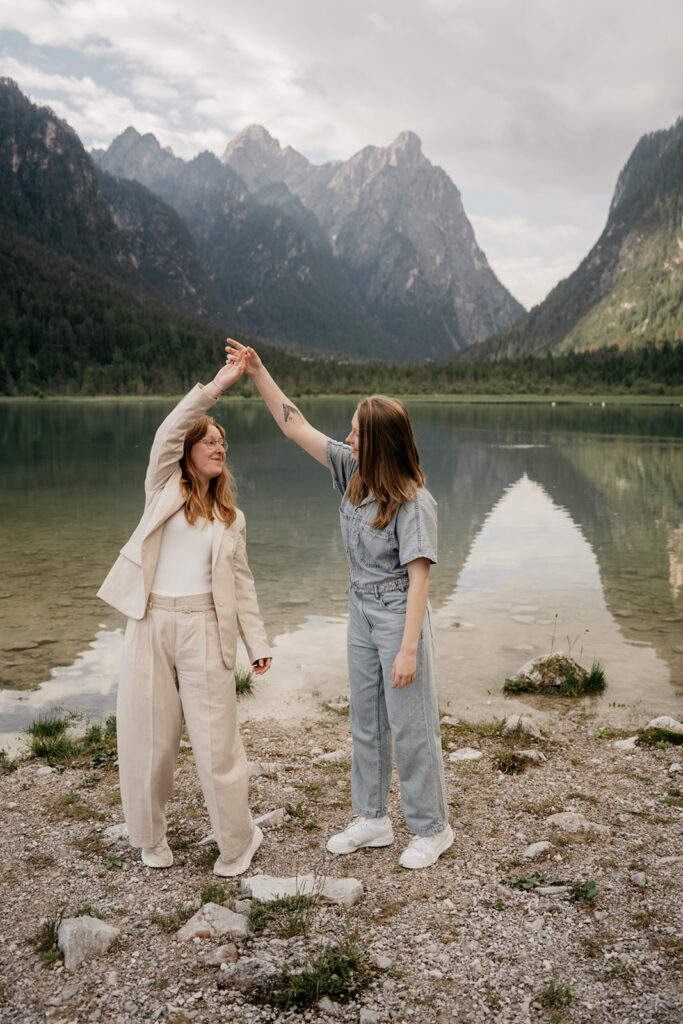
172, 667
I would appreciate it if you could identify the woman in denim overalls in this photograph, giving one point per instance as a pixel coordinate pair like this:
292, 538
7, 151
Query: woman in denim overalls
390, 544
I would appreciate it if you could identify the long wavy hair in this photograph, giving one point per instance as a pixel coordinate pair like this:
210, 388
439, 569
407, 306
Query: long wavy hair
219, 501
388, 459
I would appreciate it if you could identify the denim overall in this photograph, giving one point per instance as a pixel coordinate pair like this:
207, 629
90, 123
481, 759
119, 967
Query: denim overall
405, 719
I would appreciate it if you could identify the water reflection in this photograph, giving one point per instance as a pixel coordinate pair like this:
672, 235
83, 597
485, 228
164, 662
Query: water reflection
597, 491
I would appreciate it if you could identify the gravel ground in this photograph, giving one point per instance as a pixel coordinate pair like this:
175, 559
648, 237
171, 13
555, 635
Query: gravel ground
454, 942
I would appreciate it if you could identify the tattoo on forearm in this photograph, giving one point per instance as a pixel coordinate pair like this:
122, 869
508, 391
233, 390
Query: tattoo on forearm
289, 410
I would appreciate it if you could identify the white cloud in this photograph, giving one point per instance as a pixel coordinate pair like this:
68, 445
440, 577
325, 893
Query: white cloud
524, 102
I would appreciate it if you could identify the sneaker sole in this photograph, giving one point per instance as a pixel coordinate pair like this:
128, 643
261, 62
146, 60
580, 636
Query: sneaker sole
372, 844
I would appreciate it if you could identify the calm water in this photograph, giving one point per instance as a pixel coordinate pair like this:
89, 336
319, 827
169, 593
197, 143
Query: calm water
559, 526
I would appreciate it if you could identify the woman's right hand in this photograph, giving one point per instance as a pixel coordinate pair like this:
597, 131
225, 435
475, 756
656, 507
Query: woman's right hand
237, 352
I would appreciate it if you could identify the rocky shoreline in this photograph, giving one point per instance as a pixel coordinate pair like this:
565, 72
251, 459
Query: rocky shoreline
559, 900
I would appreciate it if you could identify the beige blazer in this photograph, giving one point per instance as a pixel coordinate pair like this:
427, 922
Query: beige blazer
129, 581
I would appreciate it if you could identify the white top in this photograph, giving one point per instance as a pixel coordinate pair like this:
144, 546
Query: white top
184, 564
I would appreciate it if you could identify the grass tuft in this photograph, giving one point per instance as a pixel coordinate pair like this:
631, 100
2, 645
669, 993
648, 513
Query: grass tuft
244, 680
658, 737
46, 941
286, 917
340, 972
555, 995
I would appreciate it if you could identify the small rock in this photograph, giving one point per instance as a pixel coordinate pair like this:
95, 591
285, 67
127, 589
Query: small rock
226, 954
272, 818
249, 975
629, 744
81, 938
114, 833
536, 849
45, 769
520, 724
327, 1006
572, 821
383, 962
675, 767
465, 754
600, 915
638, 878
662, 861
551, 890
533, 926
332, 755
532, 756
212, 922
257, 768
337, 890
665, 722
368, 1016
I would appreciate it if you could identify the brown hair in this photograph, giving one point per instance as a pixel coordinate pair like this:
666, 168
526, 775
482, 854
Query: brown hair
219, 500
388, 459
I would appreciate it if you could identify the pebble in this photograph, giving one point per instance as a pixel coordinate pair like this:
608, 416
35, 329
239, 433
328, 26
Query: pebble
465, 754
638, 878
627, 744
572, 821
520, 724
213, 921
536, 849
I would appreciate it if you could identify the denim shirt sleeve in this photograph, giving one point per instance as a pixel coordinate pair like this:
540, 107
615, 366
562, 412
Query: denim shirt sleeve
341, 464
416, 528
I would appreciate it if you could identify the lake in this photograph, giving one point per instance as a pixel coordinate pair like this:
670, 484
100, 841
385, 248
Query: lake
560, 527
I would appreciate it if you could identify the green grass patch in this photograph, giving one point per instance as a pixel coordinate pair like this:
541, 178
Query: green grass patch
48, 740
175, 919
213, 893
244, 680
46, 941
556, 995
659, 737
340, 972
285, 917
528, 881
584, 892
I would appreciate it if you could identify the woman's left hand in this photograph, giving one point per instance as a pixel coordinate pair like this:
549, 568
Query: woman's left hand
228, 374
260, 666
403, 670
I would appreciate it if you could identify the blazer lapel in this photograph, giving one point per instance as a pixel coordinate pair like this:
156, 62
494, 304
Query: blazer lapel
218, 532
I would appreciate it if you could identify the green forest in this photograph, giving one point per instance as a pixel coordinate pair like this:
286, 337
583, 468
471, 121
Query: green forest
72, 331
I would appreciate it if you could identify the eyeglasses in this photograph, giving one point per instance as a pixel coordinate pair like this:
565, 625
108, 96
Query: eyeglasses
213, 445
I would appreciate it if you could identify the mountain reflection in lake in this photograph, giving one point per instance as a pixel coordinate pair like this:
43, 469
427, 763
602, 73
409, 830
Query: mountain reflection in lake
557, 525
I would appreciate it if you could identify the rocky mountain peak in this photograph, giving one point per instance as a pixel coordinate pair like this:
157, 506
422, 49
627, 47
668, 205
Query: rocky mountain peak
405, 150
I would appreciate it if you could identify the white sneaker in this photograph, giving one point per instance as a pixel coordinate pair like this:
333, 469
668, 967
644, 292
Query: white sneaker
228, 869
159, 856
426, 850
362, 832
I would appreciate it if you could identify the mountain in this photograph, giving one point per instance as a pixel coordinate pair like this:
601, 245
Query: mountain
628, 291
267, 257
397, 226
77, 315
162, 247
48, 186
372, 256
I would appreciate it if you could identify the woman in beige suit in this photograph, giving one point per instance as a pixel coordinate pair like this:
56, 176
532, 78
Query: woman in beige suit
184, 582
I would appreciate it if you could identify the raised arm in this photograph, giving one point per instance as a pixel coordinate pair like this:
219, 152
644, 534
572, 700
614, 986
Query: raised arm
288, 418
167, 448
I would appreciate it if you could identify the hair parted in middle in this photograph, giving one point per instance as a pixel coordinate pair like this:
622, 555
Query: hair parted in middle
388, 459
219, 500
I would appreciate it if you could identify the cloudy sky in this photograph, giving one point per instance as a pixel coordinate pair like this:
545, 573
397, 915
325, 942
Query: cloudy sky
531, 106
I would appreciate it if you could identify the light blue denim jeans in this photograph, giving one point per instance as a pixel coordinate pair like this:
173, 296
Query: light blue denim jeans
382, 717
